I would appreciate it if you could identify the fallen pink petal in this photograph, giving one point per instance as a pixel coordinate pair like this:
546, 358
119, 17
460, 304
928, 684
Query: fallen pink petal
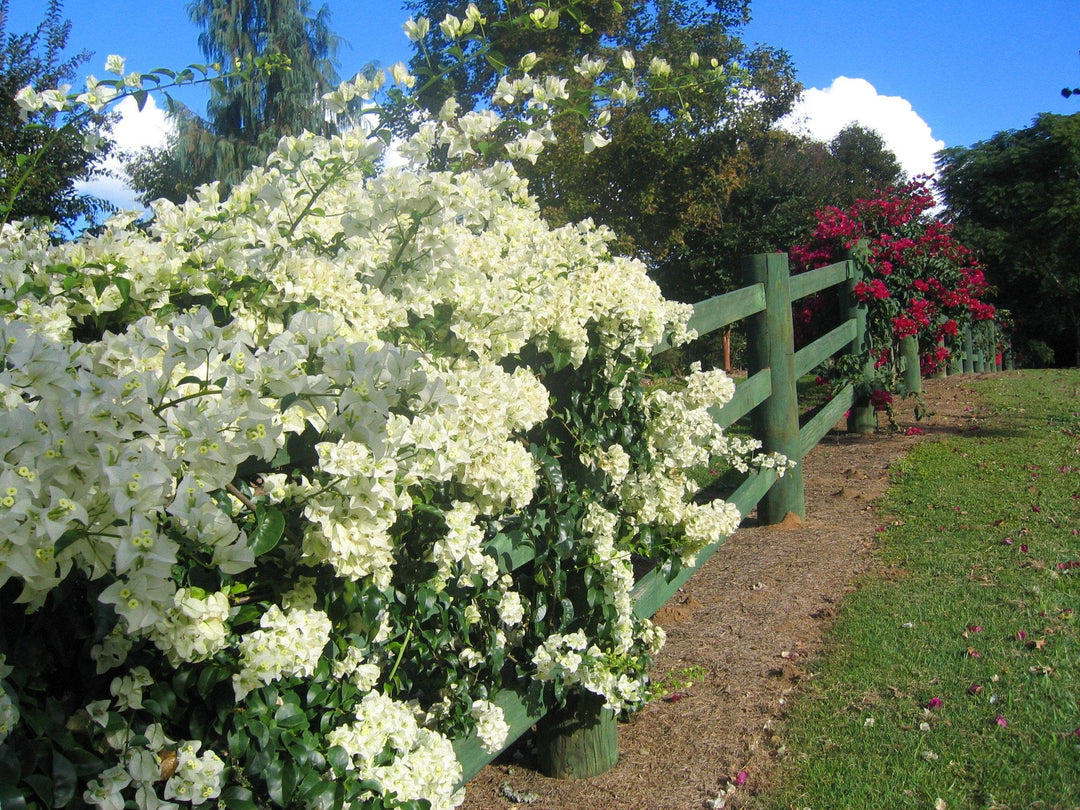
740, 780
935, 703
1001, 721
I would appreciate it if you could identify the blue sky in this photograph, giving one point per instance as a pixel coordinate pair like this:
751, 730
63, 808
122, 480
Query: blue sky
924, 73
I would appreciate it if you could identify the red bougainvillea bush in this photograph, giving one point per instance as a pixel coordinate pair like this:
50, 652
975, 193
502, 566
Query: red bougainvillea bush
918, 281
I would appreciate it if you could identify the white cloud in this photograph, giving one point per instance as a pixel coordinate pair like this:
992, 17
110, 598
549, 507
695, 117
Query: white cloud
821, 114
135, 129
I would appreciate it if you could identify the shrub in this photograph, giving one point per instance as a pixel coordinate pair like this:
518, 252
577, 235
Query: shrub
266, 464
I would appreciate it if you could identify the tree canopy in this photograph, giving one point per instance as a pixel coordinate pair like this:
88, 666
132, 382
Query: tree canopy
673, 153
1016, 198
769, 202
44, 153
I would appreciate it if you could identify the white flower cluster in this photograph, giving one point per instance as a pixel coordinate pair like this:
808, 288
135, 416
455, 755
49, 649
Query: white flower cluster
147, 756
683, 435
197, 778
491, 727
288, 643
421, 763
194, 628
572, 659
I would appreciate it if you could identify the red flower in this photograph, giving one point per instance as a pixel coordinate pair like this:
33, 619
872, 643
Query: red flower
880, 399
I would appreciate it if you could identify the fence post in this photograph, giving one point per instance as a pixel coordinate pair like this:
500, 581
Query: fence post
909, 351
978, 356
771, 345
942, 370
579, 741
969, 350
863, 417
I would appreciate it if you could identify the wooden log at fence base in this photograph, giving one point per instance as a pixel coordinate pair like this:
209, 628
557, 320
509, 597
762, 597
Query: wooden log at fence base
862, 419
578, 741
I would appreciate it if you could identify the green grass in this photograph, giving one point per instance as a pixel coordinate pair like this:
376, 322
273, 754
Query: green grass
977, 612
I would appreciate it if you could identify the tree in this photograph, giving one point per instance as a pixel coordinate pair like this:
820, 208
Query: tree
248, 113
866, 165
779, 183
43, 154
673, 153
1015, 198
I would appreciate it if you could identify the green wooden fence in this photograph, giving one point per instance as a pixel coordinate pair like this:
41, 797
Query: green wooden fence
769, 397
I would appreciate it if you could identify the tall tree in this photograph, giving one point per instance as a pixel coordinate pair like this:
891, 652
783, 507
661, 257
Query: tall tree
246, 115
670, 153
1016, 198
45, 153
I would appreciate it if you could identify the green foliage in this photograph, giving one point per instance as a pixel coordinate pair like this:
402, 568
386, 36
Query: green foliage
955, 678
766, 202
44, 153
674, 154
1013, 198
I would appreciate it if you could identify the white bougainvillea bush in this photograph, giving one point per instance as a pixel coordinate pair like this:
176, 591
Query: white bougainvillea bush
265, 461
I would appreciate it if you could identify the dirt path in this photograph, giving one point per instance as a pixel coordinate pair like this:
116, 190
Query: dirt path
750, 619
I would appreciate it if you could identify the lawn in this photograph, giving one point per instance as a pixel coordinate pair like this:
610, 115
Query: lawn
951, 680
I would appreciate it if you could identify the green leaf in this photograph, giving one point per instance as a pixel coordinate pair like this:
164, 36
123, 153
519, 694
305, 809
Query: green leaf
238, 743
272, 773
288, 781
64, 780
124, 286
238, 798
209, 678
289, 715
11, 798
268, 532
42, 786
338, 758
317, 792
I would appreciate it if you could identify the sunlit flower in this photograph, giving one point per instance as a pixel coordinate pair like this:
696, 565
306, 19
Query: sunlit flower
115, 64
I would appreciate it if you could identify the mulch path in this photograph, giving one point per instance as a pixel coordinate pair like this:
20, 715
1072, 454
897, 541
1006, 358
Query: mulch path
752, 618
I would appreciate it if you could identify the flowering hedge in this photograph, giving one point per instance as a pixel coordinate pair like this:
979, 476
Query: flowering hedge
264, 461
918, 280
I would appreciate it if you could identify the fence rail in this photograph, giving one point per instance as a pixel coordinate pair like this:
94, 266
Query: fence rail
769, 396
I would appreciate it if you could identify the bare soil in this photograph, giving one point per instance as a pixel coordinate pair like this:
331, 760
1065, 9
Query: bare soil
751, 619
